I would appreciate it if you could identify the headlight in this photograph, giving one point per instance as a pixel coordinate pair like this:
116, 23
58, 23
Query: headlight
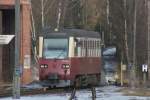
44, 66
66, 66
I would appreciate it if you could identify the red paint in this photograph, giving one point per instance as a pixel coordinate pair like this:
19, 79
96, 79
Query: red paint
54, 67
87, 65
79, 66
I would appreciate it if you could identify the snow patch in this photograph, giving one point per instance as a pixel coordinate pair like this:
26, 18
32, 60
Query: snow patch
103, 93
109, 51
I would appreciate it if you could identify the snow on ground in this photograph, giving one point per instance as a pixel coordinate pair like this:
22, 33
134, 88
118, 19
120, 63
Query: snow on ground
42, 97
109, 51
103, 93
110, 93
33, 85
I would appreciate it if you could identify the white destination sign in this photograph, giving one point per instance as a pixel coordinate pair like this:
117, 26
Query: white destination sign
5, 39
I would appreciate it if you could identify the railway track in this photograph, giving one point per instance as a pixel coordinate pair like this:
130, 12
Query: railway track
73, 94
26, 92
7, 91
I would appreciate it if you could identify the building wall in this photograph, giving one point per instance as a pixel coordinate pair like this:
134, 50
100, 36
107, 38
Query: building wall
25, 52
26, 43
11, 2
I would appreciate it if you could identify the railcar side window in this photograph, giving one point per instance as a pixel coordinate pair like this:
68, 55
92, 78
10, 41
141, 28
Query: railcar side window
55, 48
88, 47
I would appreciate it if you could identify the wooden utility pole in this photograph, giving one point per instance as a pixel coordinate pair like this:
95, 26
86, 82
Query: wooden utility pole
125, 31
108, 21
107, 11
16, 75
121, 73
133, 69
126, 40
148, 25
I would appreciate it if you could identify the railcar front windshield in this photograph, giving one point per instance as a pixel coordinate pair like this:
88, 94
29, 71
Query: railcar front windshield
55, 48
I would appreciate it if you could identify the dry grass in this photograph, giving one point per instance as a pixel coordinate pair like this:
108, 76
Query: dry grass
135, 92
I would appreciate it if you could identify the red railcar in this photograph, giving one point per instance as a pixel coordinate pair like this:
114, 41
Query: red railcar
69, 57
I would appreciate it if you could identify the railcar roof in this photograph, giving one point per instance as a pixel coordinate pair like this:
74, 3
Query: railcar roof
70, 32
